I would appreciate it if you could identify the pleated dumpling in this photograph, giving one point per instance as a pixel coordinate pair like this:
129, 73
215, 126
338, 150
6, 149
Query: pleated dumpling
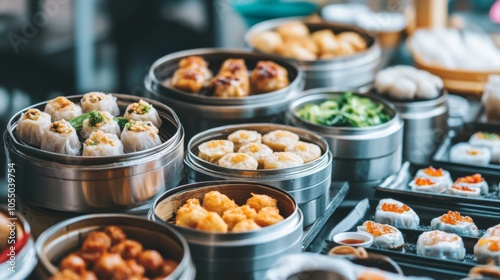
143, 111
396, 213
441, 245
60, 137
61, 108
453, 222
102, 144
100, 101
100, 120
31, 125
139, 136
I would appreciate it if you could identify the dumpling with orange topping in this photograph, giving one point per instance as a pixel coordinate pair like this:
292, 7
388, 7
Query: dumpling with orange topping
279, 160
239, 161
307, 151
453, 222
493, 231
474, 181
441, 245
102, 144
258, 151
470, 154
422, 184
384, 236
396, 213
488, 248
268, 76
464, 191
279, 139
439, 175
60, 137
242, 137
31, 125
61, 108
139, 136
99, 101
214, 150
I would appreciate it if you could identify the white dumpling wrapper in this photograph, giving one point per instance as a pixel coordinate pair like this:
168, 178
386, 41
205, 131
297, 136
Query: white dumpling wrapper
62, 108
467, 229
392, 240
102, 144
110, 125
483, 253
445, 179
132, 113
100, 101
62, 143
460, 153
408, 219
450, 248
30, 129
143, 138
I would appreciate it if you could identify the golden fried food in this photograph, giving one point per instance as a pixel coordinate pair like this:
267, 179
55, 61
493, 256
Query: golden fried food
116, 234
245, 225
229, 86
213, 223
216, 202
107, 264
190, 213
242, 137
238, 214
293, 30
128, 249
326, 41
258, 151
279, 160
279, 139
68, 274
193, 61
267, 41
268, 76
239, 161
167, 268
307, 151
294, 50
259, 201
130, 270
234, 66
73, 262
188, 79
152, 262
96, 241
213, 150
268, 216
353, 39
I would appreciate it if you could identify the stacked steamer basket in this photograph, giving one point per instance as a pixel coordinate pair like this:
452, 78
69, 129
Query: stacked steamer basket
244, 255
308, 183
350, 71
199, 112
59, 185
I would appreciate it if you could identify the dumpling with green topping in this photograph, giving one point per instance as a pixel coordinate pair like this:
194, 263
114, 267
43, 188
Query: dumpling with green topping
143, 111
100, 120
102, 144
100, 101
139, 136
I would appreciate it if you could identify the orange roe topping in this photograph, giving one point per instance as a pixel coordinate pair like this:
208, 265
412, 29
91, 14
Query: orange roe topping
436, 237
453, 218
431, 171
493, 243
423, 182
393, 207
476, 178
473, 152
377, 229
462, 188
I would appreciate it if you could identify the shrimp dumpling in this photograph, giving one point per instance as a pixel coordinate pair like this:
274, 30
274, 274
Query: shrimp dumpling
441, 245
268, 76
31, 125
396, 213
488, 248
61, 108
384, 236
139, 136
100, 120
60, 137
100, 101
453, 222
102, 144
143, 111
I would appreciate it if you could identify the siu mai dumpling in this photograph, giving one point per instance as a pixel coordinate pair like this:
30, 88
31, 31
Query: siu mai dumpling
239, 161
441, 245
396, 213
257, 150
307, 151
453, 222
61, 108
213, 150
100, 101
143, 111
101, 144
139, 136
268, 76
60, 137
100, 120
279, 139
242, 137
278, 160
31, 125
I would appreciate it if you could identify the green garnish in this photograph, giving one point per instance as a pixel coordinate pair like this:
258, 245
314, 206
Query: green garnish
145, 108
95, 118
129, 124
77, 122
121, 122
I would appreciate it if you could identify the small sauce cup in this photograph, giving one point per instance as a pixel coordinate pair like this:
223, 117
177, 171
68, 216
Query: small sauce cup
356, 239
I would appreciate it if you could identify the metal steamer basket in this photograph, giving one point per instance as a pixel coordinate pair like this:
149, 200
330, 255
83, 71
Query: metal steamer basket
348, 72
199, 112
245, 255
66, 237
309, 184
361, 156
97, 184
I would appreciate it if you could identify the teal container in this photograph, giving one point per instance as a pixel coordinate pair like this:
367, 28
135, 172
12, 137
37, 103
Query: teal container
255, 11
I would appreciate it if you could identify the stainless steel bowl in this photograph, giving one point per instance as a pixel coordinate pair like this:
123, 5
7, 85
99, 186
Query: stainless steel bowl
309, 183
68, 236
200, 112
87, 184
348, 72
245, 255
362, 156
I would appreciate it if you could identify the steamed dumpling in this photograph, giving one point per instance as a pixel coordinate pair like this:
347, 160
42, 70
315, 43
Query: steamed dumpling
31, 125
396, 213
61, 108
143, 111
139, 135
384, 236
441, 245
102, 144
60, 137
102, 121
100, 101
453, 222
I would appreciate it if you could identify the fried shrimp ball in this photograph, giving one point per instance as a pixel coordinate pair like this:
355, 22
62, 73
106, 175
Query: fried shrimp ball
190, 213
268, 216
96, 241
68, 274
167, 268
128, 271
116, 234
152, 261
245, 225
236, 215
259, 201
73, 262
213, 223
128, 249
107, 264
217, 202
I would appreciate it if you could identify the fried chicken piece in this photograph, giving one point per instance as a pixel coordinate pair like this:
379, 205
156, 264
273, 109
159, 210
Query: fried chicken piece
116, 234
235, 215
152, 261
213, 223
259, 201
245, 225
190, 213
128, 249
268, 216
73, 262
217, 202
107, 264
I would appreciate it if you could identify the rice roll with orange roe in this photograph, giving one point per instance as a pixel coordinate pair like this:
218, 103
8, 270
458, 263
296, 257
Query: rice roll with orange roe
138, 136
489, 140
466, 153
464, 191
60, 137
441, 245
61, 108
99, 101
439, 175
453, 222
474, 181
427, 185
492, 231
384, 236
100, 120
100, 144
143, 111
396, 213
31, 125
487, 249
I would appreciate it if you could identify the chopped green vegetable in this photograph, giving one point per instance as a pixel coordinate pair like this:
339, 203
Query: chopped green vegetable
77, 122
145, 108
121, 122
129, 124
95, 118
348, 111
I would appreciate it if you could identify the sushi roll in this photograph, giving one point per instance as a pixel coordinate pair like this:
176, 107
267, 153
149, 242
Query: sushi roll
279, 160
489, 140
61, 108
493, 231
384, 236
307, 151
100, 120
139, 136
473, 181
396, 213
441, 245
100, 101
143, 111
242, 137
464, 191
469, 154
427, 185
257, 150
439, 176
453, 222
278, 140
60, 137
213, 150
239, 161
268, 76
102, 144
31, 125
488, 248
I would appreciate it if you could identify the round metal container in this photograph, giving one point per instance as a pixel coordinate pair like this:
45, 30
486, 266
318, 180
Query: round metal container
200, 112
98, 184
245, 255
309, 184
19, 265
426, 125
68, 236
348, 72
362, 156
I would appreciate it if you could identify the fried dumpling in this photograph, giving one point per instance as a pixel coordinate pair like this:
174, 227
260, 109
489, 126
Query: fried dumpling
216, 202
31, 125
60, 137
143, 111
100, 101
268, 216
190, 213
245, 225
100, 120
102, 144
188, 79
259, 201
212, 222
139, 136
61, 108
268, 76
267, 41
196, 62
293, 30
229, 86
